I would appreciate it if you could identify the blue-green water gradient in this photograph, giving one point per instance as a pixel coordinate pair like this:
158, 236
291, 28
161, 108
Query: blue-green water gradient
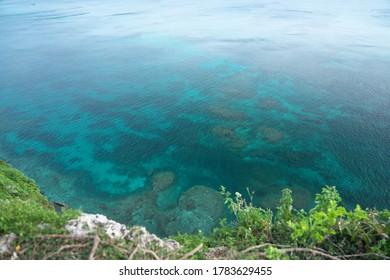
122, 107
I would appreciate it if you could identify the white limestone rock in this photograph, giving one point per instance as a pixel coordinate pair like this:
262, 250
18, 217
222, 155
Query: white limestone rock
89, 223
144, 239
6, 243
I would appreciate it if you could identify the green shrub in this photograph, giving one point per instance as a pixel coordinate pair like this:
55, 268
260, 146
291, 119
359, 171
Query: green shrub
327, 226
322, 220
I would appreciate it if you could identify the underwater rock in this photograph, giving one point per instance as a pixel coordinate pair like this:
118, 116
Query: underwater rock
301, 198
268, 201
145, 214
30, 151
200, 207
267, 103
261, 154
237, 143
300, 158
232, 91
234, 140
271, 200
227, 113
240, 85
223, 132
271, 135
167, 199
103, 206
162, 179
204, 199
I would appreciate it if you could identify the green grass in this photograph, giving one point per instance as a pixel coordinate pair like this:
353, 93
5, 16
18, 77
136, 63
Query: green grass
14, 184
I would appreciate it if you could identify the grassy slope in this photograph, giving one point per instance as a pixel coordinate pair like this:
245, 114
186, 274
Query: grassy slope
15, 185
23, 207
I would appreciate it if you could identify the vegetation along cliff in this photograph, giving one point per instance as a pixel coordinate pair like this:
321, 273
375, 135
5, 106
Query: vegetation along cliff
31, 227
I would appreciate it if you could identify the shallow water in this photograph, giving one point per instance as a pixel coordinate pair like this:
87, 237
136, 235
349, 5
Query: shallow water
122, 107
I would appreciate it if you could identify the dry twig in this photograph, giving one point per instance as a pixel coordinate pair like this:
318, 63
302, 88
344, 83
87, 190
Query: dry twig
366, 254
189, 254
287, 249
262, 246
152, 253
63, 248
133, 253
96, 241
124, 251
311, 251
57, 236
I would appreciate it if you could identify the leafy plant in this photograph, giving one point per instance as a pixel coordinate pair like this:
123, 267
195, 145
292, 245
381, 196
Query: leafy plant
327, 226
322, 220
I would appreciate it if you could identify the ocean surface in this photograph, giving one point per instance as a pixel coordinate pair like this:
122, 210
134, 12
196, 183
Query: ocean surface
141, 110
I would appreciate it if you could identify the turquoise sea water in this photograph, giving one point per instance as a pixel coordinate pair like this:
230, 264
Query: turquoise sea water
133, 108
